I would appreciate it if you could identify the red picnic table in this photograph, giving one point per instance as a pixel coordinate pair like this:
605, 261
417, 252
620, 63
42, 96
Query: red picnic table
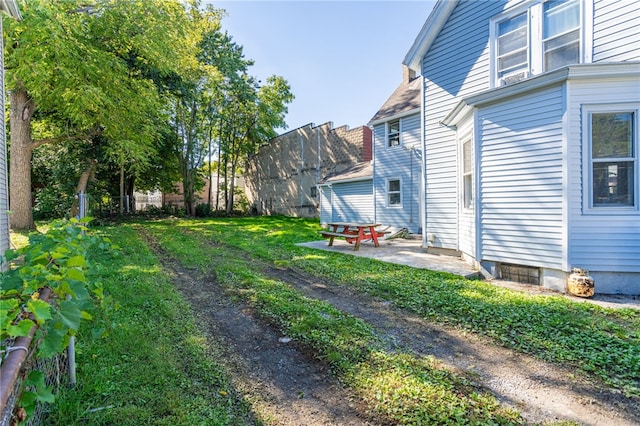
353, 233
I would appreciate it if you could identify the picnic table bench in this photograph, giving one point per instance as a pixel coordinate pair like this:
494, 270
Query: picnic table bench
353, 233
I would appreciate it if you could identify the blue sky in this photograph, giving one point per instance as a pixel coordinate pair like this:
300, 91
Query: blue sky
342, 59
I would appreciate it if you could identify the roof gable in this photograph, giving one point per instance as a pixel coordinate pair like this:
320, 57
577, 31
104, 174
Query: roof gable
434, 23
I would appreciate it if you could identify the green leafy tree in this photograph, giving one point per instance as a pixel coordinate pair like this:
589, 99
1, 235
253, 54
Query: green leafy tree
248, 120
197, 98
89, 70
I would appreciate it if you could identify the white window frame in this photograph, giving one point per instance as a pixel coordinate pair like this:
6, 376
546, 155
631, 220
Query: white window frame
587, 179
535, 11
389, 192
388, 133
467, 176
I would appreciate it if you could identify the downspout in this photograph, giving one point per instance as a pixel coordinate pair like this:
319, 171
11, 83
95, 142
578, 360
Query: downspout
318, 174
423, 168
373, 181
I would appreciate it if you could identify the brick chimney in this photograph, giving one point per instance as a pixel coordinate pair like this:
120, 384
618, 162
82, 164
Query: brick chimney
407, 74
367, 144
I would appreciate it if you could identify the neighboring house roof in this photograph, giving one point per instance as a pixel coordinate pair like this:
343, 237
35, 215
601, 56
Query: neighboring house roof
358, 172
434, 23
404, 99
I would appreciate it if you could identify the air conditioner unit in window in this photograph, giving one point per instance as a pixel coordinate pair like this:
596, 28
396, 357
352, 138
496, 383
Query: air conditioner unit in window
513, 78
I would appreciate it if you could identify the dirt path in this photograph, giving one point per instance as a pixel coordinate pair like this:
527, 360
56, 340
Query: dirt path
286, 387
283, 385
540, 391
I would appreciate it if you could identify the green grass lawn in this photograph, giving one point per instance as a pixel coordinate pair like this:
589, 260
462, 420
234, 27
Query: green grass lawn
604, 343
143, 359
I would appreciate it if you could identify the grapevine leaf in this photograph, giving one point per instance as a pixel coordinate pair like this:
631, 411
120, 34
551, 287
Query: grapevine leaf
76, 261
20, 329
9, 255
43, 392
8, 305
40, 309
11, 282
28, 402
78, 290
52, 343
70, 314
76, 274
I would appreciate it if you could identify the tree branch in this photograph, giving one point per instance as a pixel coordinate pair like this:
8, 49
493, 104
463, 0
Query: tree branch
64, 138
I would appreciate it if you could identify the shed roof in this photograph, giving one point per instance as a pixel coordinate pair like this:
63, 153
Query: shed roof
357, 172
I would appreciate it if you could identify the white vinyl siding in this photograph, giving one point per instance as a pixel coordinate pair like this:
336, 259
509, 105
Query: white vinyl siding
353, 201
521, 180
452, 73
608, 242
326, 207
404, 165
616, 31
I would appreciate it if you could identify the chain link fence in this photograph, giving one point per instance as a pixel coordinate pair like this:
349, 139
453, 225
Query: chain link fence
59, 370
55, 370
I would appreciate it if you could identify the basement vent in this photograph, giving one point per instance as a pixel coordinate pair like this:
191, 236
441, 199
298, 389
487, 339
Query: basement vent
520, 274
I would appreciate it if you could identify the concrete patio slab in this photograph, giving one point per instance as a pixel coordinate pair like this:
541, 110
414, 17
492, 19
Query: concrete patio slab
409, 252
402, 252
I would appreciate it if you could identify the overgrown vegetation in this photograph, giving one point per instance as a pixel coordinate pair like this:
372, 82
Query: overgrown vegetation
401, 387
54, 262
145, 361
602, 343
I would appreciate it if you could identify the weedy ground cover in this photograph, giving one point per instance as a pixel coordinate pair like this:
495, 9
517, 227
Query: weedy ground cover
407, 389
143, 359
603, 343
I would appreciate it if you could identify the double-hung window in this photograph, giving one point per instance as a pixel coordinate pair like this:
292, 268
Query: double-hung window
393, 133
394, 194
561, 33
613, 157
513, 46
542, 37
467, 175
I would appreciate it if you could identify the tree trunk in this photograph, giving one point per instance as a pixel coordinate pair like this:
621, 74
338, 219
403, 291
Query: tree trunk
87, 175
20, 201
231, 188
121, 208
218, 177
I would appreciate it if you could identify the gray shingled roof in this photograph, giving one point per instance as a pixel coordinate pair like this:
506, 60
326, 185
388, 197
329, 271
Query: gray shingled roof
405, 98
360, 171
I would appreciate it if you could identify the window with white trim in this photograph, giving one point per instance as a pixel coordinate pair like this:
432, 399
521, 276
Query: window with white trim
393, 133
467, 175
613, 157
543, 37
394, 193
